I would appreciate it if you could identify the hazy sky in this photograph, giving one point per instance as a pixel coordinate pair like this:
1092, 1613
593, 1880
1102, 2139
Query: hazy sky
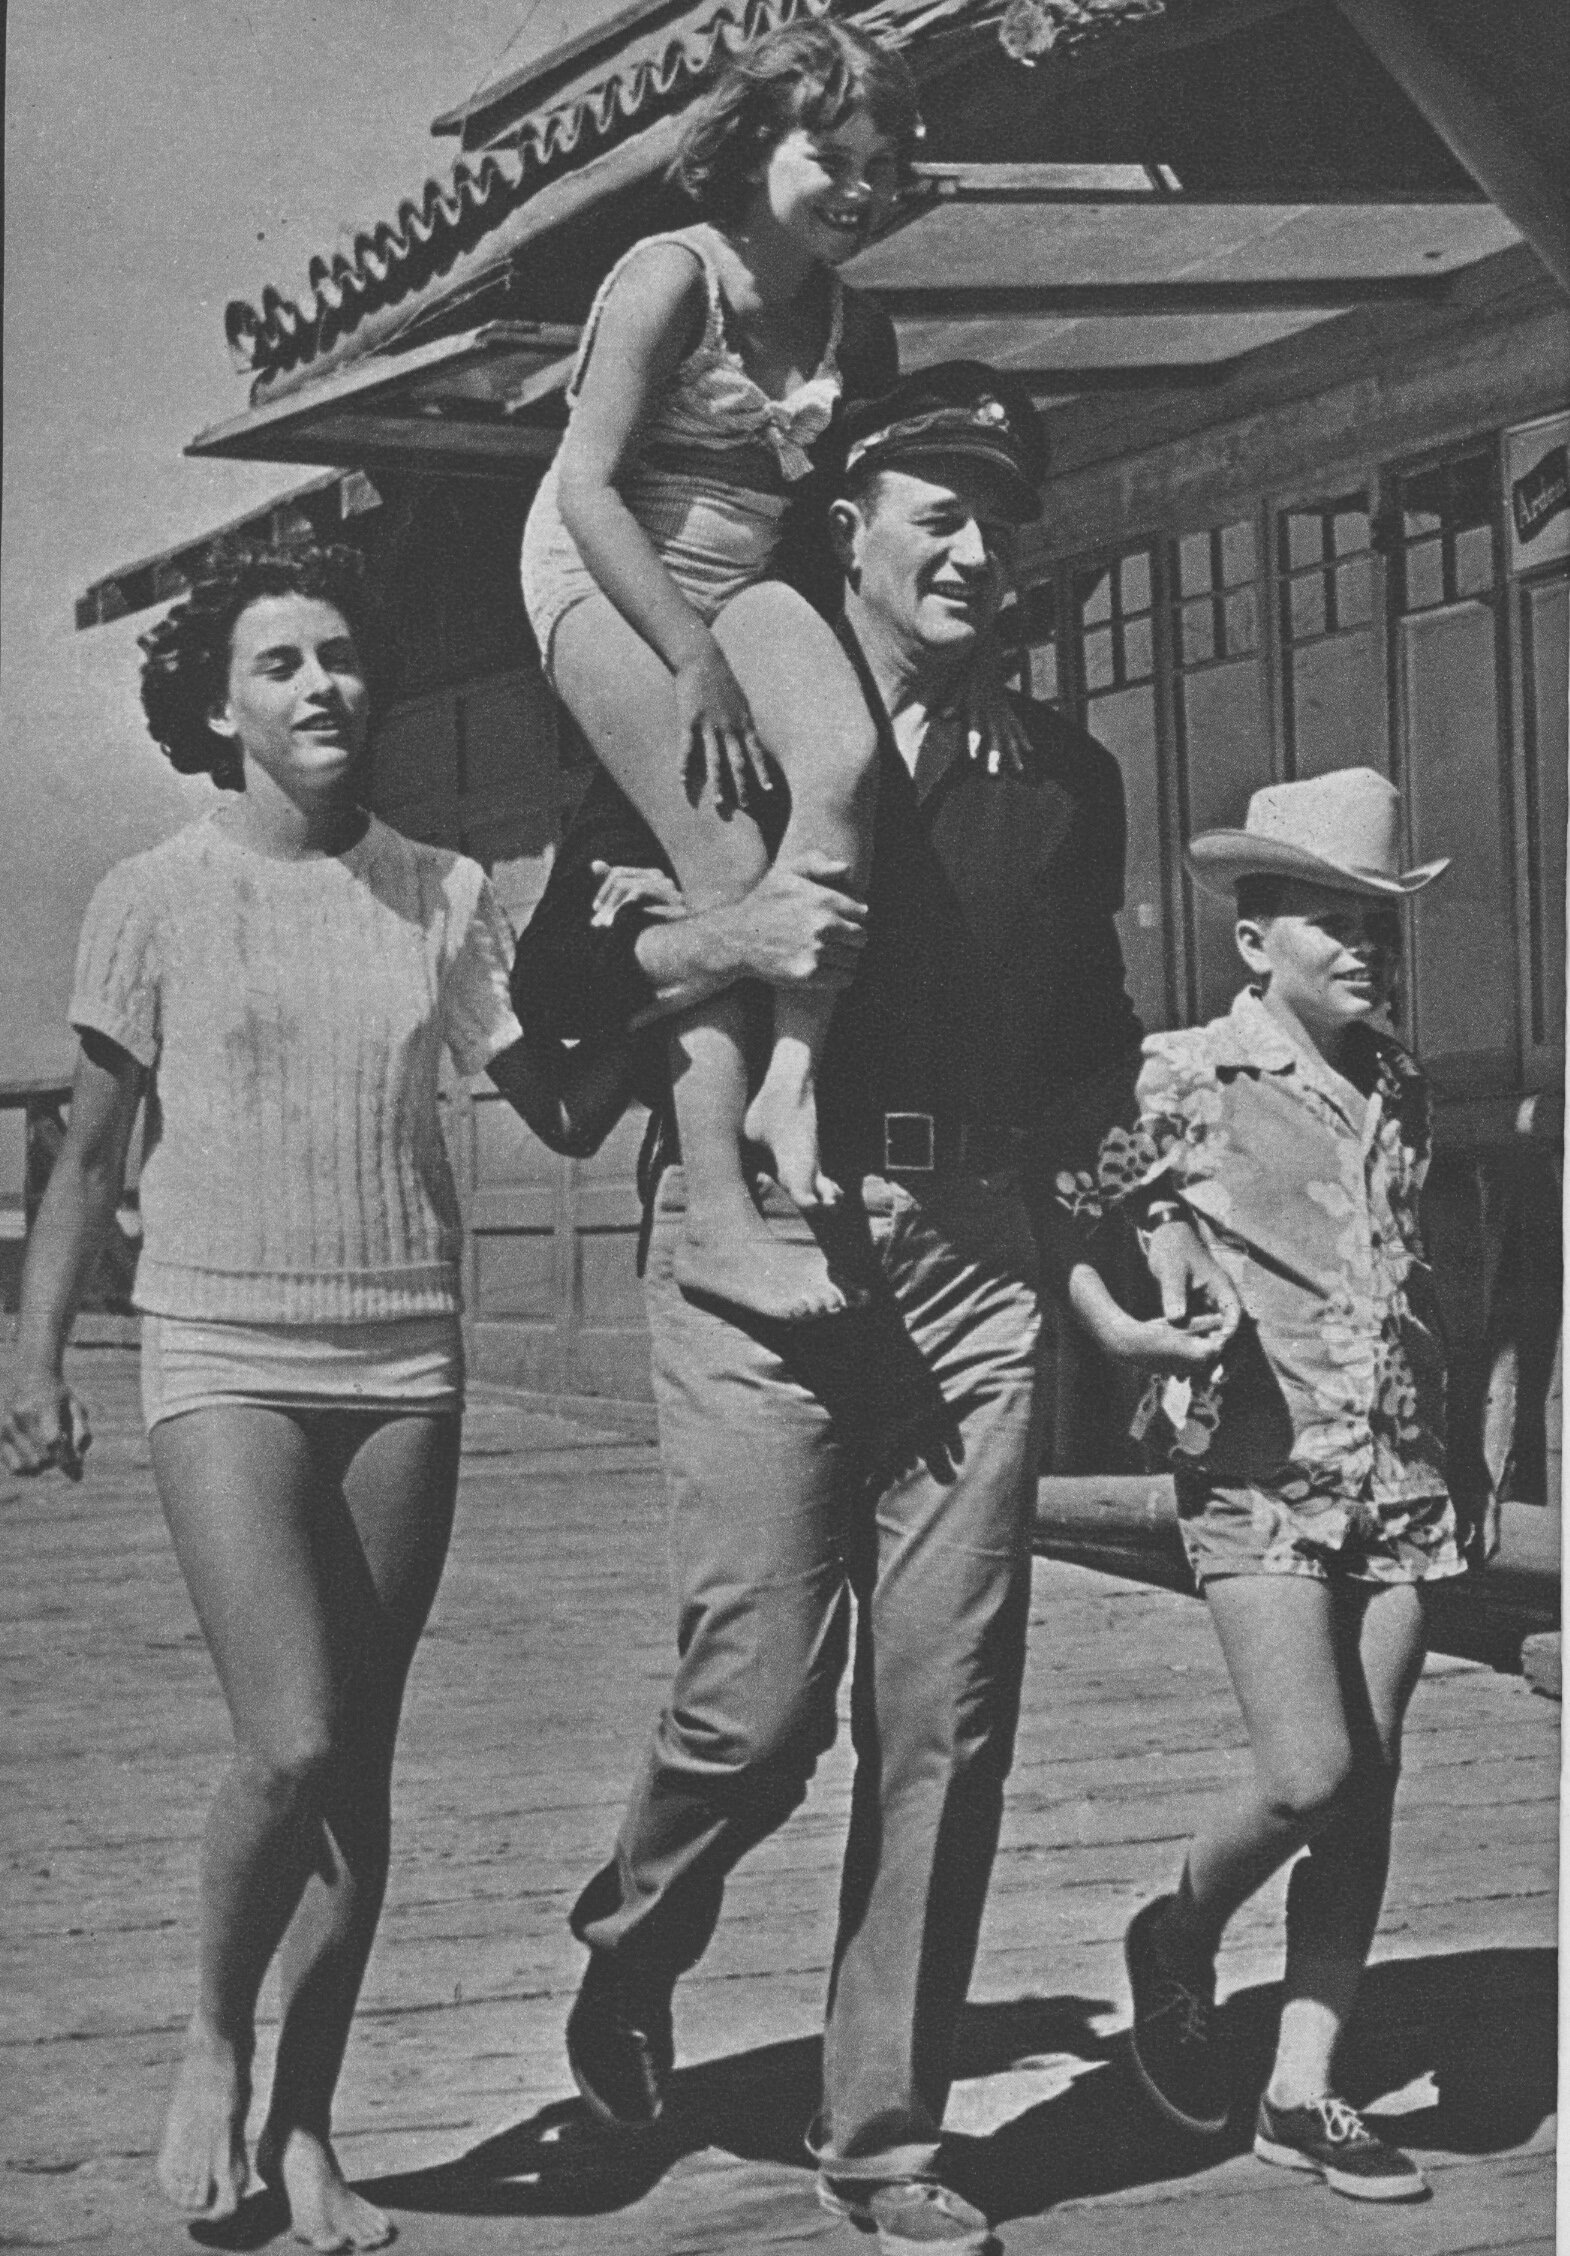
163, 156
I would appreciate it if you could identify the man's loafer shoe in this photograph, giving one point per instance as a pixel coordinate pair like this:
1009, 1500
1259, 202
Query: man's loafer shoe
911, 2216
619, 2046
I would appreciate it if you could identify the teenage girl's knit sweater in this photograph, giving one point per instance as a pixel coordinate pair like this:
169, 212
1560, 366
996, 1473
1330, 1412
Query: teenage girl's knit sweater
292, 1015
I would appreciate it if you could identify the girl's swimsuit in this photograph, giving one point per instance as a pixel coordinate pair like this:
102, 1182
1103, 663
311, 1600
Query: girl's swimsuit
713, 535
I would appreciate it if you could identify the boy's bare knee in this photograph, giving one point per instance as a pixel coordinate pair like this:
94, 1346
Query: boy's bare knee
289, 1767
1307, 1787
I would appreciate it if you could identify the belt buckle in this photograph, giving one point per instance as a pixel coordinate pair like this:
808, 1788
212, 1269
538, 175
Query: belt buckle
913, 1133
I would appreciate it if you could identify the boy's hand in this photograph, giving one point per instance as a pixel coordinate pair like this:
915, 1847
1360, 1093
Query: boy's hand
44, 1425
1165, 1348
1186, 1274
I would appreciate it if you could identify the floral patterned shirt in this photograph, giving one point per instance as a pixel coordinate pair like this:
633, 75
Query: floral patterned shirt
1306, 1191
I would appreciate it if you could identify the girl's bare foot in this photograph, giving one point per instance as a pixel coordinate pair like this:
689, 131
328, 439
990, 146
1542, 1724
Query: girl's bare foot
736, 1259
783, 1118
201, 2163
324, 2210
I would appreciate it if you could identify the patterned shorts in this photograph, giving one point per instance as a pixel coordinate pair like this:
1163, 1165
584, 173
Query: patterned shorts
1245, 1530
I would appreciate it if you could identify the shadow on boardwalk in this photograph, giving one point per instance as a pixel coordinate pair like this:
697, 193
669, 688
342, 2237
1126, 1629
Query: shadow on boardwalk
1481, 2024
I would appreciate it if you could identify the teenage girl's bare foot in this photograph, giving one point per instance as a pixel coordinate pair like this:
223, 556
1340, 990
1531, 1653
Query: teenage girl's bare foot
734, 1258
783, 1118
201, 2163
324, 2211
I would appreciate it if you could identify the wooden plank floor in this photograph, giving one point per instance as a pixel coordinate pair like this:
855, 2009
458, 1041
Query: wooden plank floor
546, 1656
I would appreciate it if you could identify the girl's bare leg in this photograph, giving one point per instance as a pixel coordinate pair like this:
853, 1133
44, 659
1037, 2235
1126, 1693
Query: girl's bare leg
263, 1535
240, 1490
619, 692
810, 711
381, 1556
1338, 1888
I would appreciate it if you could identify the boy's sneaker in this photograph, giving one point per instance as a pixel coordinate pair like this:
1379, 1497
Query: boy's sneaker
1332, 2139
620, 2047
1174, 2040
911, 2216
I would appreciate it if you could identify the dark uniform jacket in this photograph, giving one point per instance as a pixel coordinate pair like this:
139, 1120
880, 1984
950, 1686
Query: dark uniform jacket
992, 983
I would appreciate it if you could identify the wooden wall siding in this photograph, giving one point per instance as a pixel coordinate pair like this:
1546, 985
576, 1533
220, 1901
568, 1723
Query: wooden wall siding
551, 1291
1540, 619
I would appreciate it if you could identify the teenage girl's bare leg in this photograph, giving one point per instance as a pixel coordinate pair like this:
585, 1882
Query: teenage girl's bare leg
245, 1494
619, 692
382, 1553
810, 711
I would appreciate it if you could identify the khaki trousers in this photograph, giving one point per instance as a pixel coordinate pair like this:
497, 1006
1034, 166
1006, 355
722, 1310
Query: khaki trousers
779, 1517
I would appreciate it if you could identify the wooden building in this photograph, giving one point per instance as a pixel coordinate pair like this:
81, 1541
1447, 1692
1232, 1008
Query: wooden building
1289, 279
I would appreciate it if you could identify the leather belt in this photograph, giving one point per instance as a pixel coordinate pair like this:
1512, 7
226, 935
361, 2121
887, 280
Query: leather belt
936, 1143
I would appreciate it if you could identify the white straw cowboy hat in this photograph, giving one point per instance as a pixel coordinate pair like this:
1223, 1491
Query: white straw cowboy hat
1339, 830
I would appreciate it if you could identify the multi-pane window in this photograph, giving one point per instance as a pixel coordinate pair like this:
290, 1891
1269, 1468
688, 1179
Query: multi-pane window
1117, 625
1114, 633
1217, 615
1033, 632
1220, 720
1443, 527
1325, 591
1439, 529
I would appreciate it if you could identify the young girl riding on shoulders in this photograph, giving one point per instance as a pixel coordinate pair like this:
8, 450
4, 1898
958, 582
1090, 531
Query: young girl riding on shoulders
713, 358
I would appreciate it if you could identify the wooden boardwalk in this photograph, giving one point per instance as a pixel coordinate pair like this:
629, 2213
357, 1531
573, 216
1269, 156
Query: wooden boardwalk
547, 1653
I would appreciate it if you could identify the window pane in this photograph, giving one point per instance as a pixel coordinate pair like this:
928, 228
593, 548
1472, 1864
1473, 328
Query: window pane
1139, 657
1305, 539
1237, 554
1242, 623
1136, 583
1043, 660
1098, 659
1425, 576
1194, 563
1308, 607
1096, 598
1199, 634
1474, 560
1351, 532
1355, 593
1417, 524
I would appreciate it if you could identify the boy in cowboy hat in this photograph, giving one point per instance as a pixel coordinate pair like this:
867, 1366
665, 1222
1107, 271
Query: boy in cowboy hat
1294, 1133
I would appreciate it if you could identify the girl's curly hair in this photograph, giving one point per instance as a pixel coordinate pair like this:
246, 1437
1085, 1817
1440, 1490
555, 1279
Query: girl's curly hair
812, 74
185, 664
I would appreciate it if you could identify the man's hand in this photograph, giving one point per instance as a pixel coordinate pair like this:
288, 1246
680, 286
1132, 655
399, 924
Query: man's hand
794, 929
44, 1425
797, 929
623, 887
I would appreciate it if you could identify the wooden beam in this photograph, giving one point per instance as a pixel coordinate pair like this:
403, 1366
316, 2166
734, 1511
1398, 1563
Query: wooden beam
1473, 126
938, 301
1143, 43
1062, 184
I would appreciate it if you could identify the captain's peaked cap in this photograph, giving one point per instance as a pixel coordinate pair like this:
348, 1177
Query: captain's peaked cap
960, 407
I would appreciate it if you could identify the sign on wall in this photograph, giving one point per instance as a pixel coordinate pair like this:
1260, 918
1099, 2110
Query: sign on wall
1537, 492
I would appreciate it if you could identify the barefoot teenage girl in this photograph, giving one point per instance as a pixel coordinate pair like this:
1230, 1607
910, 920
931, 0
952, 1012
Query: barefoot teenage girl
278, 981
712, 360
